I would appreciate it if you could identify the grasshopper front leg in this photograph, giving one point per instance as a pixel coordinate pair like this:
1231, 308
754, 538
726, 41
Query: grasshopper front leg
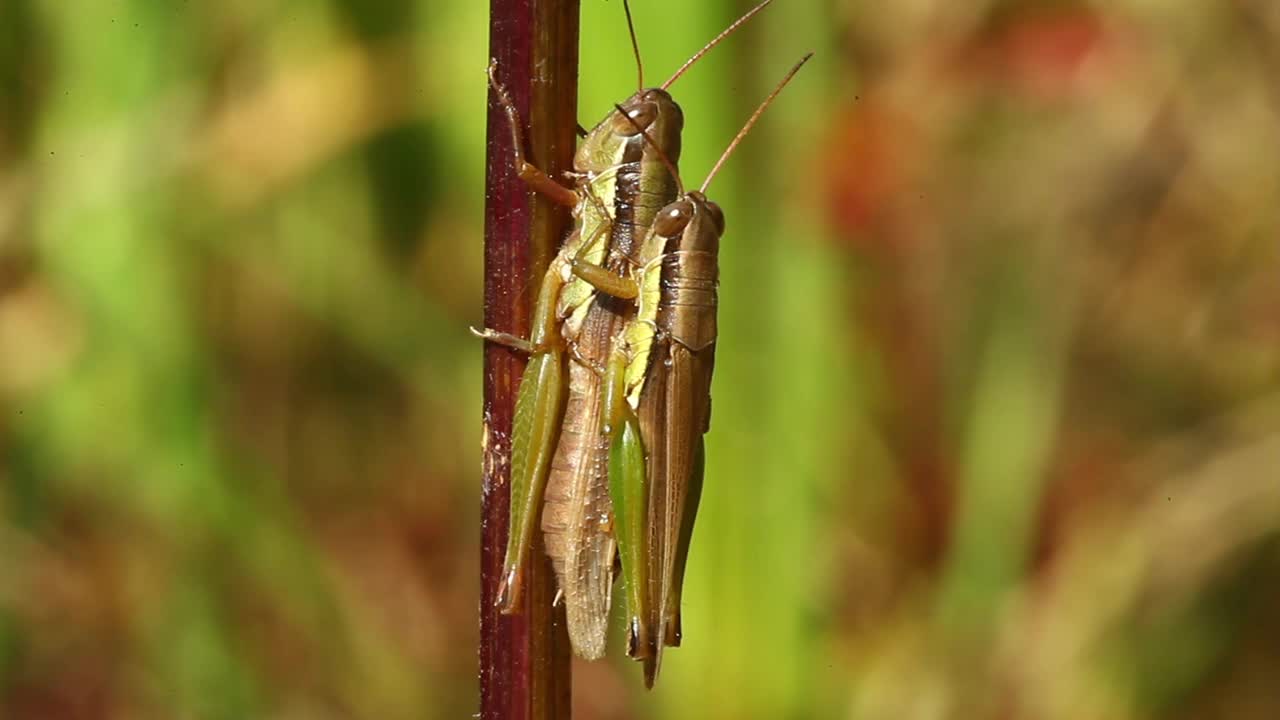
533, 176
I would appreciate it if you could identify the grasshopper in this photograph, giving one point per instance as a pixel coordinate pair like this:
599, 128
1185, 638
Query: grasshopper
658, 400
552, 456
624, 172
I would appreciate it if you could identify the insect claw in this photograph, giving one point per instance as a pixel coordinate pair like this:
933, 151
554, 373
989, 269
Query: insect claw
506, 339
559, 596
492, 72
509, 592
633, 638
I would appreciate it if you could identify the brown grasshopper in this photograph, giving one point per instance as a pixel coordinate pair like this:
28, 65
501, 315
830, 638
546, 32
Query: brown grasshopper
625, 173
658, 400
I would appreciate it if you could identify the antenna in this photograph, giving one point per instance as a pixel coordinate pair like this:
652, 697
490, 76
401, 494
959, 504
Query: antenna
752, 121
662, 155
635, 47
727, 32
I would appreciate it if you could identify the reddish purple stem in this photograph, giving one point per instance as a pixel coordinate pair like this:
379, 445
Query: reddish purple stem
524, 659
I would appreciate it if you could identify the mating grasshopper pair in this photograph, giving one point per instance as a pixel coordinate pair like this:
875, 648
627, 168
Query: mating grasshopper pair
607, 446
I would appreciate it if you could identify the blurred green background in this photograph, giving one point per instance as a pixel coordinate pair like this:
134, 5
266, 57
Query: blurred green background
997, 402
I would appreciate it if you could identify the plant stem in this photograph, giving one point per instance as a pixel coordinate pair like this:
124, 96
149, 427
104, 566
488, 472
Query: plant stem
524, 658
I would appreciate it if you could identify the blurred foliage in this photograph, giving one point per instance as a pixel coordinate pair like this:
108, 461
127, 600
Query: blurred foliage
997, 406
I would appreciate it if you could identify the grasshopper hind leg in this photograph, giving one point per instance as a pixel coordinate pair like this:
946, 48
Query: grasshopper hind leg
534, 430
629, 495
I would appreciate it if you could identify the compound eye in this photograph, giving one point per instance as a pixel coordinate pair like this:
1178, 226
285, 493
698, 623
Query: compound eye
637, 118
717, 216
673, 218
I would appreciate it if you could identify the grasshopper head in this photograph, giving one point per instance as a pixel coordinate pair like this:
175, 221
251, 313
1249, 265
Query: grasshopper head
617, 136
692, 222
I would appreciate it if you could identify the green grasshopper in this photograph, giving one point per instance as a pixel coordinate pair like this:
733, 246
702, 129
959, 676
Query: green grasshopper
625, 173
552, 452
658, 401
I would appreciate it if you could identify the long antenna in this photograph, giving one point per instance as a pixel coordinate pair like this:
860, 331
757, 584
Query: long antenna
635, 47
752, 121
662, 155
727, 31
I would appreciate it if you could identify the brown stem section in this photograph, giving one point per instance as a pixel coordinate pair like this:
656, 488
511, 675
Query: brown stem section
524, 657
